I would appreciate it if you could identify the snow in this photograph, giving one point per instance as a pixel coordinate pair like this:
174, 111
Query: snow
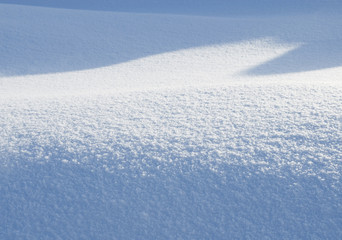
163, 126
194, 7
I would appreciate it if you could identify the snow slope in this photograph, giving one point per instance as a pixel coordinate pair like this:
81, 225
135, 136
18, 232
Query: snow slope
159, 126
193, 7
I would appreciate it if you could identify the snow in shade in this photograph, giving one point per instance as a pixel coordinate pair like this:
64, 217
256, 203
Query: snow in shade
173, 120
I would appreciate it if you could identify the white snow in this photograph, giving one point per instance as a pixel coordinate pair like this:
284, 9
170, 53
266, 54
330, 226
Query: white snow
162, 126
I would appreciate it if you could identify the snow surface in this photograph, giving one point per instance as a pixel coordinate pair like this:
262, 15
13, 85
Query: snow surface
159, 126
194, 7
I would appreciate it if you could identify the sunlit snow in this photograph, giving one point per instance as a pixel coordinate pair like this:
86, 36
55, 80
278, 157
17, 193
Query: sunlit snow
163, 126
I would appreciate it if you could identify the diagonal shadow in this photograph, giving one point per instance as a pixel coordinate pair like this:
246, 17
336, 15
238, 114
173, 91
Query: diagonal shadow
308, 57
43, 40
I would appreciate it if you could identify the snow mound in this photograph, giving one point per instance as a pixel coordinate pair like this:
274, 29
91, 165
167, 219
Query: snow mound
155, 126
66, 51
237, 162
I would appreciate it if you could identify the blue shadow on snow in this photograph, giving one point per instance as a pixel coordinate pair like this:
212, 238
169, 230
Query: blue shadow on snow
38, 41
69, 201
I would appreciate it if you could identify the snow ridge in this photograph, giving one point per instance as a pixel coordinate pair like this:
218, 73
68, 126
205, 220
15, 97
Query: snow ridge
156, 126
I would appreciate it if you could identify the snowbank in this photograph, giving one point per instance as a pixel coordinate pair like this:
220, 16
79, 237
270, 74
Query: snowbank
155, 126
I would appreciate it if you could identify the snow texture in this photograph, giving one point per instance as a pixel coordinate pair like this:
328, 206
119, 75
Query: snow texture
159, 126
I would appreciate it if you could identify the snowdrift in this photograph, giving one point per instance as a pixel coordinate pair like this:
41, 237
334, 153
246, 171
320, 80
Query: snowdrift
176, 124
43, 40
